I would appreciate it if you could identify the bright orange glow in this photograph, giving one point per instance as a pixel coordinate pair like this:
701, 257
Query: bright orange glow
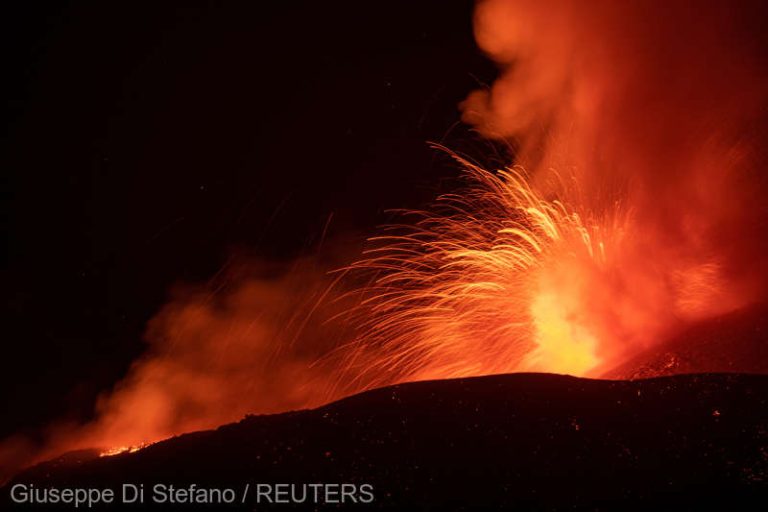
561, 345
497, 278
487, 283
117, 450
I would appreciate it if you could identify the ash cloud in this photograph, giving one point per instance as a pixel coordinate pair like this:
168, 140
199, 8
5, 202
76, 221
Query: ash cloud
657, 107
255, 339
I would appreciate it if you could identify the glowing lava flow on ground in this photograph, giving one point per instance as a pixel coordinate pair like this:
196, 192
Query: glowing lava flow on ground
117, 450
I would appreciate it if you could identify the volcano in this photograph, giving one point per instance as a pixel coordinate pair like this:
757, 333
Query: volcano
249, 228
518, 441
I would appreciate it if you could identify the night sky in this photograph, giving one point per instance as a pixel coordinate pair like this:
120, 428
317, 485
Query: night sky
145, 144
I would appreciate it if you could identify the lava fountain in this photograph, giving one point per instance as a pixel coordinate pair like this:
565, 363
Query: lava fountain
497, 278
633, 206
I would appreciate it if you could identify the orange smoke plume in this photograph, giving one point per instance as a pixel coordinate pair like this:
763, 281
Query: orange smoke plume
249, 341
638, 142
650, 121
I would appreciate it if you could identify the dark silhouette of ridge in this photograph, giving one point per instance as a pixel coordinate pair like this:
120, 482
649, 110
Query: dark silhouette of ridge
517, 442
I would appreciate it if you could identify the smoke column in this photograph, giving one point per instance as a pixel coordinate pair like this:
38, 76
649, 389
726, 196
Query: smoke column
653, 110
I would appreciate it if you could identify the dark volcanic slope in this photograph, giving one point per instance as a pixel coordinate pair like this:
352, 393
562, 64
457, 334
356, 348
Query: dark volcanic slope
735, 342
525, 441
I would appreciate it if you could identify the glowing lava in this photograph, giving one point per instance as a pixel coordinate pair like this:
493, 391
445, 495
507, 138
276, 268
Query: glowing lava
492, 280
562, 346
501, 277
117, 450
